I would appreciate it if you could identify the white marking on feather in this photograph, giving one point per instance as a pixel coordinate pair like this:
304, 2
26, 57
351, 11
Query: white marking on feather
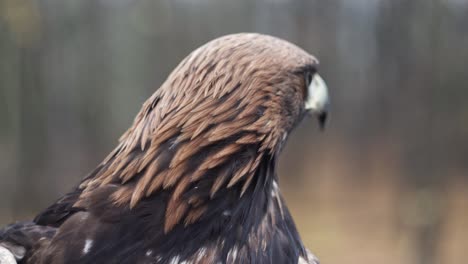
174, 260
201, 253
275, 194
274, 189
311, 259
148, 253
226, 213
87, 246
232, 254
275, 185
302, 261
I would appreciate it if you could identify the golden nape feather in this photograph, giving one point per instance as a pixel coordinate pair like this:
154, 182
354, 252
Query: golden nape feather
193, 180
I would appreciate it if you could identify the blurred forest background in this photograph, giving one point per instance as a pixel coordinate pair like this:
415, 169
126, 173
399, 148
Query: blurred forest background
387, 182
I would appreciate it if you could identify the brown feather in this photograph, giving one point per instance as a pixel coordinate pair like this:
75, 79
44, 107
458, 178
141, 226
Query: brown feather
218, 182
176, 209
194, 214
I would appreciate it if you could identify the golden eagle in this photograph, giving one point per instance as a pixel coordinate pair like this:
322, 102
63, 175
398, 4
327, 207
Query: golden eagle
194, 178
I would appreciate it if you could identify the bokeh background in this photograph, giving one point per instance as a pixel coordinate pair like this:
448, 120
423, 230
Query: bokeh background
387, 182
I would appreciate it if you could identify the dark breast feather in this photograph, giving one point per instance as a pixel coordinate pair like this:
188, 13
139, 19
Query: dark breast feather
254, 228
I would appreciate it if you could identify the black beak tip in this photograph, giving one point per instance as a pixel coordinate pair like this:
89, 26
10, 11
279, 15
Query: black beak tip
322, 119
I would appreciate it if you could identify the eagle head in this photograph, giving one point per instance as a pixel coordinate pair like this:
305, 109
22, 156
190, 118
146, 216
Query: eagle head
260, 83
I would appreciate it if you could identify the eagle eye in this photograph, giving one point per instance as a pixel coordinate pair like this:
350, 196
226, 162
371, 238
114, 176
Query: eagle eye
308, 78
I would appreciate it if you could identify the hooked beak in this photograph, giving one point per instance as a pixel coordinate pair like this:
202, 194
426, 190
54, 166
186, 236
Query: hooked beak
317, 99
